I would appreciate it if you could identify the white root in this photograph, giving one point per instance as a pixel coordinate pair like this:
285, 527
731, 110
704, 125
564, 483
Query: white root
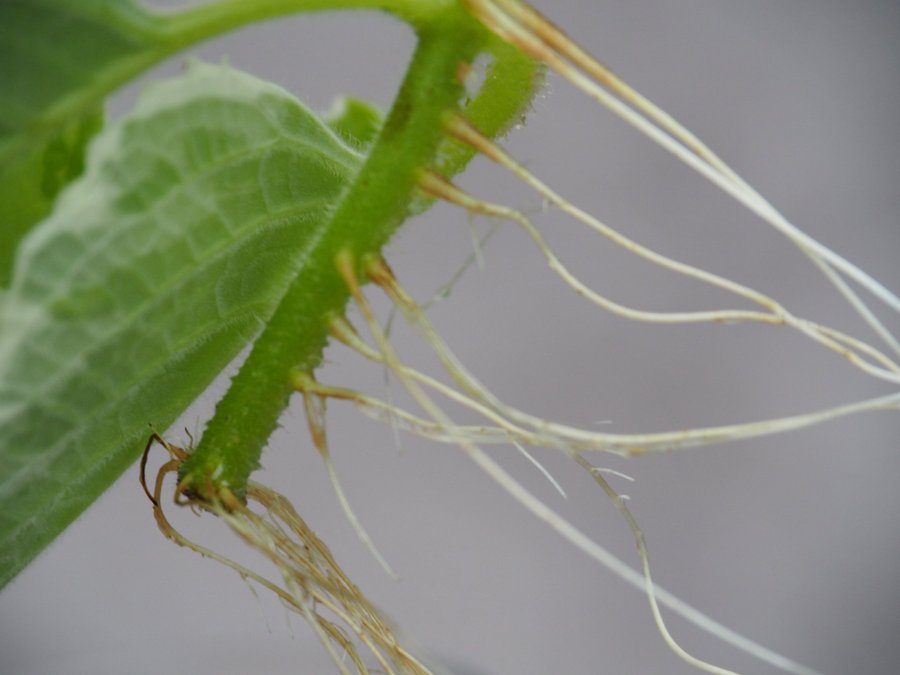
315, 417
775, 314
377, 272
523, 27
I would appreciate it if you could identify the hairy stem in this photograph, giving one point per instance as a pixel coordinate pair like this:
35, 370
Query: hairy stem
379, 200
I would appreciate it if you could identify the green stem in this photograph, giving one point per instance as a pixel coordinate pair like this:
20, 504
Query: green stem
200, 22
376, 204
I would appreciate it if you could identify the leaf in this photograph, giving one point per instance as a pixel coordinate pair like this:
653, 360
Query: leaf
154, 270
29, 186
354, 120
58, 59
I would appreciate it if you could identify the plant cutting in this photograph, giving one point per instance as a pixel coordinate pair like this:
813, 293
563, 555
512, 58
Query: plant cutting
259, 230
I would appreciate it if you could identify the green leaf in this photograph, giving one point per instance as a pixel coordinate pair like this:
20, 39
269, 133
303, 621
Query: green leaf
58, 58
355, 120
29, 185
154, 270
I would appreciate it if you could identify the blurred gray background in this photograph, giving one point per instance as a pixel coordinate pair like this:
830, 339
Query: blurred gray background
791, 540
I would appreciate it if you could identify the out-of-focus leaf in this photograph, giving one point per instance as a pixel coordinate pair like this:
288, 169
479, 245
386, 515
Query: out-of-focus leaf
30, 184
58, 59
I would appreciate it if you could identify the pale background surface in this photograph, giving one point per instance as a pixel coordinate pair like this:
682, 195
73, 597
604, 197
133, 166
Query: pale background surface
791, 540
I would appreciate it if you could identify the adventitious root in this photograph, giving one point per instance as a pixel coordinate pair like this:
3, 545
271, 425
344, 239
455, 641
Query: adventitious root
507, 426
315, 417
529, 429
357, 637
862, 355
530, 32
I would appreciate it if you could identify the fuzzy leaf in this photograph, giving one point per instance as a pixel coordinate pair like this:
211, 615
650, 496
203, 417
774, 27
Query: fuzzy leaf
153, 271
354, 120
